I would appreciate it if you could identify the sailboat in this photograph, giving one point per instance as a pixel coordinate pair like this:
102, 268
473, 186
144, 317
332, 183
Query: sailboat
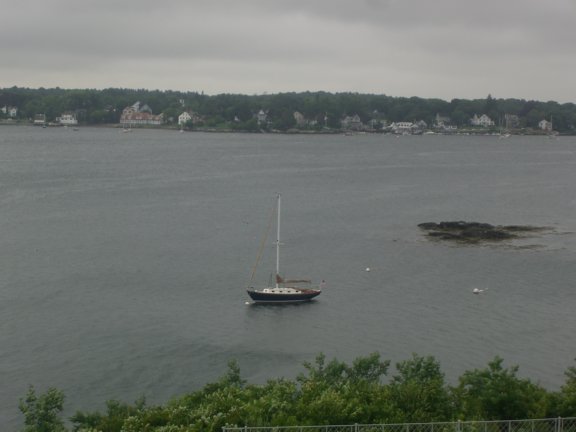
552, 134
504, 133
284, 290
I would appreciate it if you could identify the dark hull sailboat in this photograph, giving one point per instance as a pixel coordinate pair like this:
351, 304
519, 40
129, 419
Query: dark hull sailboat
284, 291
282, 295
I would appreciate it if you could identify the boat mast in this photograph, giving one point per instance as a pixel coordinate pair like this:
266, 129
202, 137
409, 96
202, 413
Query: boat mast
278, 242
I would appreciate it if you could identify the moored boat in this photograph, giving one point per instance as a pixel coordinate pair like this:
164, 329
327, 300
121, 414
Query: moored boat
284, 290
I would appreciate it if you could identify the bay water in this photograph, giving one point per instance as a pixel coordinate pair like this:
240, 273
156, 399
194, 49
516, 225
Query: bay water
124, 257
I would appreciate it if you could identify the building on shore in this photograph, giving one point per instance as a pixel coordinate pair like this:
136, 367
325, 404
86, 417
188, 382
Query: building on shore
511, 121
482, 121
10, 111
67, 119
39, 120
352, 123
545, 125
402, 128
140, 115
188, 116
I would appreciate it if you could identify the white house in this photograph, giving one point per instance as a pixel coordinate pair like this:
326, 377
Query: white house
184, 118
68, 119
10, 111
300, 119
261, 117
352, 123
545, 125
402, 127
483, 121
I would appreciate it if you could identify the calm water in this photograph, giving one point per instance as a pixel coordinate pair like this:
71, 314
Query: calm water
124, 257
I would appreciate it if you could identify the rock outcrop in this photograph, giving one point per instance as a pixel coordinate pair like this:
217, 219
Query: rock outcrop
474, 232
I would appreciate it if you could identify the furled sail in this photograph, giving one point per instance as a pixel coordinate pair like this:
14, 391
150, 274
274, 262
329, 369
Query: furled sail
281, 280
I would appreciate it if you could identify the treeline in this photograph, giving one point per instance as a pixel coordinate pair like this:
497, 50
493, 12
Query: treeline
320, 109
328, 392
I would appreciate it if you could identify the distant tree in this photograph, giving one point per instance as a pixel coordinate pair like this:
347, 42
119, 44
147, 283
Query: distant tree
214, 121
171, 114
491, 108
102, 116
459, 117
332, 119
189, 125
534, 116
248, 126
284, 121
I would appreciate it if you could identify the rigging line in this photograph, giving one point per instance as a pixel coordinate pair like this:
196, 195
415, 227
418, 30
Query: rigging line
263, 243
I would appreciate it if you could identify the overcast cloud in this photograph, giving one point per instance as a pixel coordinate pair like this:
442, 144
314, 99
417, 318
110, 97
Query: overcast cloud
429, 48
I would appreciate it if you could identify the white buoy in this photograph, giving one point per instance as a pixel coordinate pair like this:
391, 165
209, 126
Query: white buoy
477, 291
367, 269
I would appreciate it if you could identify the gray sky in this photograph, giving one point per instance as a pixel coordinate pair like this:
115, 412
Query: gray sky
447, 49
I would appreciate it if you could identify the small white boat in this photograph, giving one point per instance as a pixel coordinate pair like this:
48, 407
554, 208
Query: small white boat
478, 290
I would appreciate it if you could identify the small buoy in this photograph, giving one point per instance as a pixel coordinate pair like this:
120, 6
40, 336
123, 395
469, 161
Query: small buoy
247, 303
367, 269
477, 291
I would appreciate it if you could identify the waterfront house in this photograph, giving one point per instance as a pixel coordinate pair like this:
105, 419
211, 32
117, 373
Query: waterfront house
187, 116
261, 117
140, 115
184, 118
545, 125
402, 128
40, 120
300, 119
482, 121
444, 124
68, 119
141, 119
10, 111
450, 128
353, 123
